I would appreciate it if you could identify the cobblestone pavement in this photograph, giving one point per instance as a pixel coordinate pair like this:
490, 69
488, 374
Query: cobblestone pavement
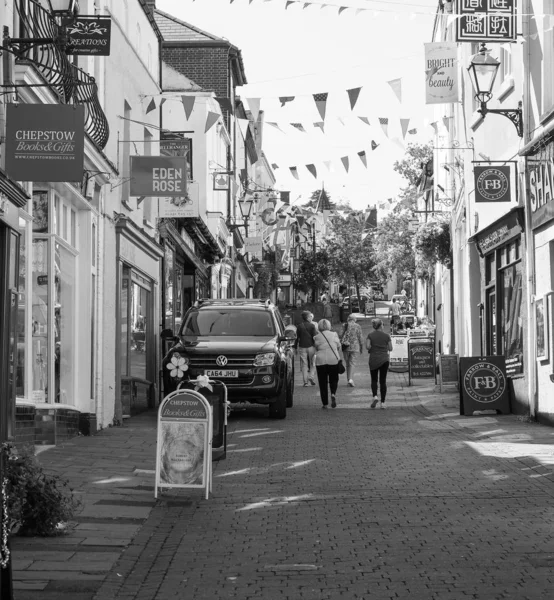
411, 502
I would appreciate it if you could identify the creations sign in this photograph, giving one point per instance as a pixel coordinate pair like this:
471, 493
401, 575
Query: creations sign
441, 73
484, 385
486, 21
89, 35
45, 142
184, 449
492, 183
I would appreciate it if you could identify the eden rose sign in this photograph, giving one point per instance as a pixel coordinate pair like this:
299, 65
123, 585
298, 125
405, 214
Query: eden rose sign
45, 142
158, 176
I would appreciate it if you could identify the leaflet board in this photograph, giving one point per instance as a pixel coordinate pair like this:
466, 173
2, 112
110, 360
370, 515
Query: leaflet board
370, 307
421, 359
448, 370
399, 355
184, 450
484, 385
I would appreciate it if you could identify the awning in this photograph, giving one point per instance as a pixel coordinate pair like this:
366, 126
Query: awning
14, 192
168, 231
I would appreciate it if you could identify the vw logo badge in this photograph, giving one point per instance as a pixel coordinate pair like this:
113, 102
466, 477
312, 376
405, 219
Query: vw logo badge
221, 361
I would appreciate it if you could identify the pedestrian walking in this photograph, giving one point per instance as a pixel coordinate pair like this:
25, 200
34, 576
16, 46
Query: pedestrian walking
379, 345
352, 345
327, 347
327, 310
306, 332
394, 314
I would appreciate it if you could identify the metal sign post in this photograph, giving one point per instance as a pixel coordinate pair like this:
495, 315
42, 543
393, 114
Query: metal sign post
184, 449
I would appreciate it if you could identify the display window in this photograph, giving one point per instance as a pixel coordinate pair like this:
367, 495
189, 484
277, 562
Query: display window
503, 305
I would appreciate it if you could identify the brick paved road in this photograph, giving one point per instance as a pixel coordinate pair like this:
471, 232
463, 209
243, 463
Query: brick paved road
355, 503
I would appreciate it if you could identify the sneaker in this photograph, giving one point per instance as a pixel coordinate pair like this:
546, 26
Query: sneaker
306, 384
324, 406
333, 402
351, 383
374, 403
312, 381
382, 405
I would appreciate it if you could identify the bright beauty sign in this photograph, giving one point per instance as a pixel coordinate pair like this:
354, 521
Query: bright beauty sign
158, 176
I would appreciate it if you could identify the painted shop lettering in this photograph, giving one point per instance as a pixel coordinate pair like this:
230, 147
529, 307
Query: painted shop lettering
44, 135
167, 179
541, 185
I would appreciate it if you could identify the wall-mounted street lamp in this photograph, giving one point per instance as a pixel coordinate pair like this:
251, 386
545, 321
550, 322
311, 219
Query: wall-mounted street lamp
245, 206
483, 69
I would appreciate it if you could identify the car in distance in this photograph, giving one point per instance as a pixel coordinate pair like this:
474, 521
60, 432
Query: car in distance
355, 304
243, 343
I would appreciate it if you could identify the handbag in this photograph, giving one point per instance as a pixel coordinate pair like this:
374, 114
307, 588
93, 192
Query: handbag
341, 367
345, 345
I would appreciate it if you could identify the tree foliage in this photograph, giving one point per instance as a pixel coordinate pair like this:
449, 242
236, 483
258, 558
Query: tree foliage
393, 250
313, 272
349, 249
410, 167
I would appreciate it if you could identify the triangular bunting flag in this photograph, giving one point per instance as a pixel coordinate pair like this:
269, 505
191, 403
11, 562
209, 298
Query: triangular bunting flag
306, 4
188, 103
385, 125
404, 123
340, 120
151, 106
289, 2
274, 166
276, 125
363, 157
446, 121
162, 102
294, 172
327, 164
365, 120
345, 162
225, 104
284, 99
434, 126
211, 120
353, 96
321, 125
254, 105
300, 219
321, 103
299, 127
396, 86
412, 131
374, 145
342, 8
312, 170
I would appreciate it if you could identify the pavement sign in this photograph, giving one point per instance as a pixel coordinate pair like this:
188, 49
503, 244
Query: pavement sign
421, 359
449, 370
484, 385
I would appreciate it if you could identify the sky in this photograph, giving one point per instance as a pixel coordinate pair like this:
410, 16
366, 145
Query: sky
308, 48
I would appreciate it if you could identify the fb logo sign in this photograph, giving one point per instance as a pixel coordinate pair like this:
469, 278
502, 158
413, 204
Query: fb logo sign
492, 184
484, 382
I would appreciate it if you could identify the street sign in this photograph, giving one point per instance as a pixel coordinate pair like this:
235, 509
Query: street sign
421, 359
484, 385
184, 449
486, 21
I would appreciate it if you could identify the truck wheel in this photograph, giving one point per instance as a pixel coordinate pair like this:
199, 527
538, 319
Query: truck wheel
290, 391
278, 410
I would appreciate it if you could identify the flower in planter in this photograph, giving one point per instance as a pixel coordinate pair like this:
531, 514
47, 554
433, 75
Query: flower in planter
178, 365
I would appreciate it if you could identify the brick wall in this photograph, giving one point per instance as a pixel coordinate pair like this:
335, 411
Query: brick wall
206, 66
55, 425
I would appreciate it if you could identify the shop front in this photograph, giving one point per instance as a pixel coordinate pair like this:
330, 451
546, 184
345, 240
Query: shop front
504, 294
139, 264
540, 184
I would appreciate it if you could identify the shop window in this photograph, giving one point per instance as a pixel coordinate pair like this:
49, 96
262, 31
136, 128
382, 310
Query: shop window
169, 299
40, 306
20, 386
490, 308
124, 331
40, 211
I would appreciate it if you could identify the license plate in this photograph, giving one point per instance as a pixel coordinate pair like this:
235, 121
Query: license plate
221, 373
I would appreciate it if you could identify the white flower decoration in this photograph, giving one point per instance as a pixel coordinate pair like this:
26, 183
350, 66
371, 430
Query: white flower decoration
178, 366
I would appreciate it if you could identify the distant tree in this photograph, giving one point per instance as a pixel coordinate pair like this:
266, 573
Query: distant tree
313, 271
349, 250
411, 168
393, 250
432, 245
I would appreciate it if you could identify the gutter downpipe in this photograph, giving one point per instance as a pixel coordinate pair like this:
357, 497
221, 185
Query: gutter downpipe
529, 239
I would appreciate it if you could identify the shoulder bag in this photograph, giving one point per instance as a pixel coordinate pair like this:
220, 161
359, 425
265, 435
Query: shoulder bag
341, 366
344, 343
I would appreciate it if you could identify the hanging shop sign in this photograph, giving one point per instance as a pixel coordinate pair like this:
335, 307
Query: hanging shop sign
254, 245
89, 35
484, 385
540, 175
486, 21
45, 142
493, 183
221, 182
158, 176
441, 73
184, 449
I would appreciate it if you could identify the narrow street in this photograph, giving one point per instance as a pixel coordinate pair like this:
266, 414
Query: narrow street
413, 502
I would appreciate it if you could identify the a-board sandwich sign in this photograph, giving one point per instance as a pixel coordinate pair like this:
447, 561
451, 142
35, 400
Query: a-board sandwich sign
45, 142
421, 359
183, 456
484, 385
398, 359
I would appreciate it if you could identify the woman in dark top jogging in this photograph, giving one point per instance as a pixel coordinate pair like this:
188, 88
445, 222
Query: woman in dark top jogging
378, 344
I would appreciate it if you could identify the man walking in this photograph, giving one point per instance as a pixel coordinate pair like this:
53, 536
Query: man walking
394, 314
306, 332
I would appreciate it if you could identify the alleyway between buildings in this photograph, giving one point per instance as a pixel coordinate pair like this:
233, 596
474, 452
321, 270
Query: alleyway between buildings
411, 502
